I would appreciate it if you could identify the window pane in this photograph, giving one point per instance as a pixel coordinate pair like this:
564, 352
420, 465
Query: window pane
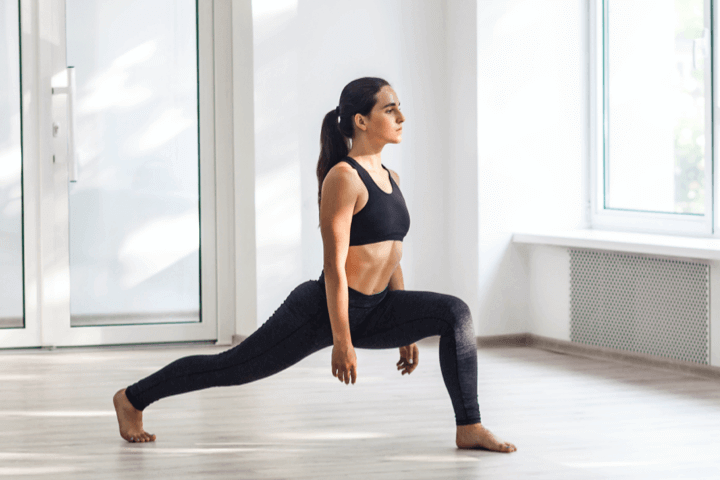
656, 105
11, 267
134, 210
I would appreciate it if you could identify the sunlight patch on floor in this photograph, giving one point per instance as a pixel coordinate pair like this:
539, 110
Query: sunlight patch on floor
329, 435
432, 458
57, 413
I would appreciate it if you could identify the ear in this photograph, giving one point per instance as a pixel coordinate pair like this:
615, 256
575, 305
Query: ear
360, 122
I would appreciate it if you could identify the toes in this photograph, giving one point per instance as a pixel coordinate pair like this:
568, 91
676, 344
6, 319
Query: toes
140, 438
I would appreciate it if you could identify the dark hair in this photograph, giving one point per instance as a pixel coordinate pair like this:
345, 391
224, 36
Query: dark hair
358, 96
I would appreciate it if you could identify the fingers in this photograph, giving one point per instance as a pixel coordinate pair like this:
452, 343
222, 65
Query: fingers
347, 374
408, 362
409, 357
407, 368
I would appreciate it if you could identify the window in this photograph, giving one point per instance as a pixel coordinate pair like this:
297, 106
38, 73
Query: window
652, 116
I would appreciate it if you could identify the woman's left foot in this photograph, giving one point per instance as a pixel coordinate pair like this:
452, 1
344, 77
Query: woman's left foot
130, 420
477, 436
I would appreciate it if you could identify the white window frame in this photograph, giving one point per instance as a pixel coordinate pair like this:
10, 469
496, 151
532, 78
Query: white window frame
644, 221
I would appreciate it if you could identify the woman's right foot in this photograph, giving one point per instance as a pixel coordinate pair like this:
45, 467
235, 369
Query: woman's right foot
477, 436
130, 420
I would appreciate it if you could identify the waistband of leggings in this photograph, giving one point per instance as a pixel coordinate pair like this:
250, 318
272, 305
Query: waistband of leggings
359, 299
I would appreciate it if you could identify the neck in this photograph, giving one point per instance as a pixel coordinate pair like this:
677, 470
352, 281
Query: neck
367, 151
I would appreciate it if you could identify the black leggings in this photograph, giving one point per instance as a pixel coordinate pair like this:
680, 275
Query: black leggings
301, 326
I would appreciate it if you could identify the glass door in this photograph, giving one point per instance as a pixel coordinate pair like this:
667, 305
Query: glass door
121, 177
13, 328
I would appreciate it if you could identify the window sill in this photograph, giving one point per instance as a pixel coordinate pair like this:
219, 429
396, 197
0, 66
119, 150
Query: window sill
669, 245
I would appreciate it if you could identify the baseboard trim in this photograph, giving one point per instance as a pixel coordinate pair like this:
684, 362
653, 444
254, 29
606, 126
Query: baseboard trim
512, 340
573, 348
592, 351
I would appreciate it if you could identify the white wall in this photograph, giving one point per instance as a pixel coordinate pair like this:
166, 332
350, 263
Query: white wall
496, 99
533, 125
305, 52
460, 273
533, 111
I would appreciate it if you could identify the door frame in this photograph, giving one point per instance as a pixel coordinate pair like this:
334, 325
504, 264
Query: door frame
45, 228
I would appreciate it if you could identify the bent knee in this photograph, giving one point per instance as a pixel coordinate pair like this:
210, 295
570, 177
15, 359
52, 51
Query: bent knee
459, 309
460, 314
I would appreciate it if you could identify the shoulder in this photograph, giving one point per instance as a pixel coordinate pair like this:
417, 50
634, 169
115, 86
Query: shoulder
395, 176
341, 175
341, 165
342, 170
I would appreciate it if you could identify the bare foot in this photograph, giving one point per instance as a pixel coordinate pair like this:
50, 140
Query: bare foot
130, 420
477, 436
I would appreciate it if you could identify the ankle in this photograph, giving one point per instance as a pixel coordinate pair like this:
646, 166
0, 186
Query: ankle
472, 426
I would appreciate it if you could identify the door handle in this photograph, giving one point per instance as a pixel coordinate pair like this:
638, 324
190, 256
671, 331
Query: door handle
704, 42
70, 91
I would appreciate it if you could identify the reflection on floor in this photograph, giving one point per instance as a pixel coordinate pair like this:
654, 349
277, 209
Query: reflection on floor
135, 318
102, 320
11, 322
570, 417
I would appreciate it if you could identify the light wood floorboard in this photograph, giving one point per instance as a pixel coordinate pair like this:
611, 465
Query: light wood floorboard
570, 417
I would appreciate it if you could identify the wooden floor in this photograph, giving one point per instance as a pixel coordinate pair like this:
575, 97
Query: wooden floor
570, 418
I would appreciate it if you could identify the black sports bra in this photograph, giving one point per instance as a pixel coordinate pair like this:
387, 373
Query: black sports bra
385, 215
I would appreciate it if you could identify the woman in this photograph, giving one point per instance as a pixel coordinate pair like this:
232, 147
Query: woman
359, 300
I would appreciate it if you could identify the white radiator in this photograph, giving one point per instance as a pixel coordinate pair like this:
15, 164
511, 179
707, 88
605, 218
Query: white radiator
640, 303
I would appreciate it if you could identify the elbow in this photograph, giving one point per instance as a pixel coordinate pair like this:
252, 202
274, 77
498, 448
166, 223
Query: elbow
334, 274
333, 270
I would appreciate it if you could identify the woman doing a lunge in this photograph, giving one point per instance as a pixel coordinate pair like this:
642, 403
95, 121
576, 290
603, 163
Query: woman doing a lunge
359, 299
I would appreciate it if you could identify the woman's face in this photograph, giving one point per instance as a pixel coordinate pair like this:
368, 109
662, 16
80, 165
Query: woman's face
386, 118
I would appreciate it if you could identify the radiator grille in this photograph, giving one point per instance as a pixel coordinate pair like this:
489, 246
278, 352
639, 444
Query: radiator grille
642, 304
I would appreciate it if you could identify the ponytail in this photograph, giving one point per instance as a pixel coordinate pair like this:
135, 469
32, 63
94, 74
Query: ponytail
338, 126
333, 147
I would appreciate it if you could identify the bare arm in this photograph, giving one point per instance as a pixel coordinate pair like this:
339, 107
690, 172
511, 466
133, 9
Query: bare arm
396, 281
339, 195
409, 354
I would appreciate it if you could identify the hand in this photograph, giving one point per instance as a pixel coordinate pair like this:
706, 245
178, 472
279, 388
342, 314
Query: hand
409, 357
344, 362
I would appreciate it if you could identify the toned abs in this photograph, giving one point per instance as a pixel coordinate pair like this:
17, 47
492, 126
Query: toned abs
370, 267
